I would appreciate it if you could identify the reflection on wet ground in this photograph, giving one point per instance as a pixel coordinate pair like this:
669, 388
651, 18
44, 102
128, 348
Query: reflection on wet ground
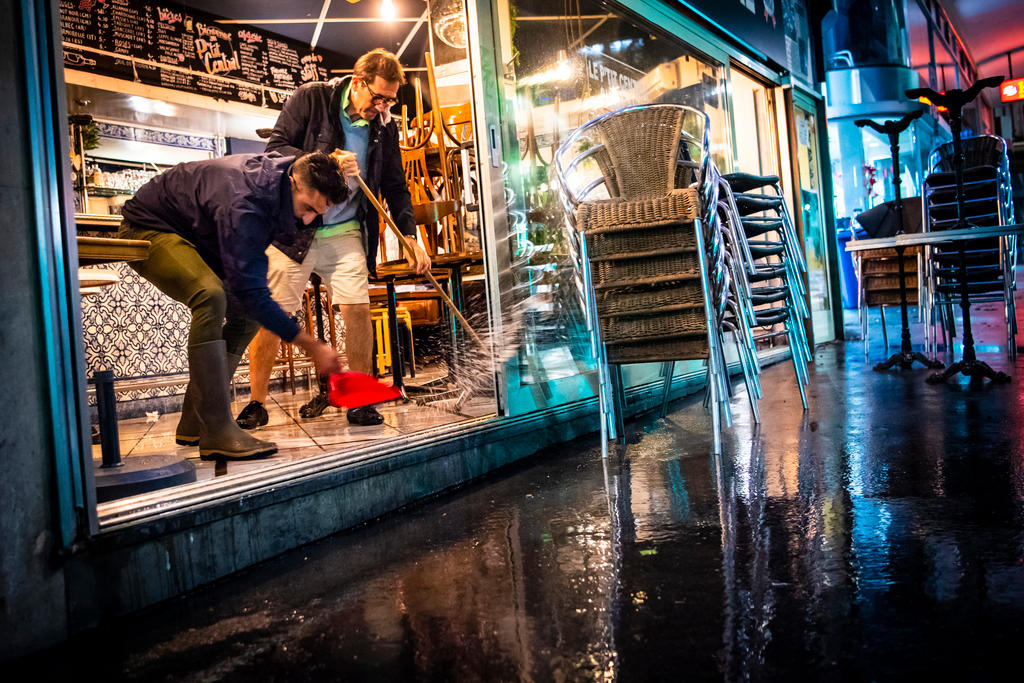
878, 536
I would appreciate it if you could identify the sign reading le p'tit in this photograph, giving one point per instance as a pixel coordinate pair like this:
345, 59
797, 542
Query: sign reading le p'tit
1011, 90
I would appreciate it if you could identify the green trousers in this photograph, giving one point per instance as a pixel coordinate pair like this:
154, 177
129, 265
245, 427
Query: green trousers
175, 267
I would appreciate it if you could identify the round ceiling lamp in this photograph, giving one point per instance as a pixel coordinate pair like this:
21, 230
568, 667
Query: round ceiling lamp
449, 22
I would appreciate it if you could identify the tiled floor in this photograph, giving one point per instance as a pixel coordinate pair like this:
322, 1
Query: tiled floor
296, 437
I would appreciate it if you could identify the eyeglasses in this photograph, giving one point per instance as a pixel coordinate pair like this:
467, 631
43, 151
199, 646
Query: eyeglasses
377, 100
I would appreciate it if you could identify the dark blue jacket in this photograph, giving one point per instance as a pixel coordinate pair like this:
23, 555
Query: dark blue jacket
231, 209
310, 122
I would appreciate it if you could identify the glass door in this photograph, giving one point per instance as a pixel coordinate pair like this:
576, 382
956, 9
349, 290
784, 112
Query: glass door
553, 74
810, 214
757, 113
756, 148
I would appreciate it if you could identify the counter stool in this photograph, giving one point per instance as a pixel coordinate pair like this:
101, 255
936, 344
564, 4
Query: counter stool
381, 328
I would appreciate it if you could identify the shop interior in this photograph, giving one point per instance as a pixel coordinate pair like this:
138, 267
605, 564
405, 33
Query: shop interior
124, 131
560, 72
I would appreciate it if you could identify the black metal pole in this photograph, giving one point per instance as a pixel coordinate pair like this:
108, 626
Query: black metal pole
106, 407
397, 361
318, 312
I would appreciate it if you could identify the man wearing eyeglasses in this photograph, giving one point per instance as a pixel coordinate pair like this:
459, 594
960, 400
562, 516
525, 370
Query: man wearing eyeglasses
350, 118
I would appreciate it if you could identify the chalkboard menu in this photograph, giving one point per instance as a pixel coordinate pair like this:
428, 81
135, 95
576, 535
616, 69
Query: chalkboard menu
172, 46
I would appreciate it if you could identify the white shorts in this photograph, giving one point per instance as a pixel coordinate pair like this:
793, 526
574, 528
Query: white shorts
340, 262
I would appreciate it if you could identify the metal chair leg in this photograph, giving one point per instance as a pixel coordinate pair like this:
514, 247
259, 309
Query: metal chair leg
885, 332
619, 398
708, 379
667, 369
603, 409
748, 380
711, 323
796, 367
862, 313
864, 329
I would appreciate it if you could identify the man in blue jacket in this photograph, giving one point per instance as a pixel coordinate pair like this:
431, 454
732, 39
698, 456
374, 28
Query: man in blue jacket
348, 117
209, 224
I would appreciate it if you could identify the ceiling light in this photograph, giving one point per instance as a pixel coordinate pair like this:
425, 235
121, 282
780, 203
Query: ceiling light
449, 22
387, 9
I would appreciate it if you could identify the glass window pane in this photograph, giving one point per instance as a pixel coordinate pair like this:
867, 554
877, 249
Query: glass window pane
920, 55
566, 72
813, 224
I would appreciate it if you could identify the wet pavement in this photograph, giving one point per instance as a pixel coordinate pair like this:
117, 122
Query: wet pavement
878, 536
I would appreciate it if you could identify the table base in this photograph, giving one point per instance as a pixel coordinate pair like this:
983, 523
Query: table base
977, 370
141, 474
905, 360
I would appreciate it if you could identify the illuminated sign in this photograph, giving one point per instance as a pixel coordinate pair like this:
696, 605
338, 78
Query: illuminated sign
1012, 90
925, 100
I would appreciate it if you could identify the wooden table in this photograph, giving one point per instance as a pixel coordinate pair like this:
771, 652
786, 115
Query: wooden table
969, 365
96, 250
936, 237
115, 477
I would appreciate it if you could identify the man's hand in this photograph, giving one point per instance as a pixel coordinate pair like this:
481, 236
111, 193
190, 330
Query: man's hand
418, 259
324, 357
347, 161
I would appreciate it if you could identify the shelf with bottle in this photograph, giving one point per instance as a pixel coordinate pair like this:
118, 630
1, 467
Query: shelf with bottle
110, 182
107, 177
100, 191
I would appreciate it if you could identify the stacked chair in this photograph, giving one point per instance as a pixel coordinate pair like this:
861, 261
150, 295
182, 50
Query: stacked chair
878, 270
774, 264
658, 271
988, 200
964, 190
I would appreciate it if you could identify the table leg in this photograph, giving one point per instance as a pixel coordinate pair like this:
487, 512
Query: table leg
969, 366
106, 407
455, 292
397, 359
906, 357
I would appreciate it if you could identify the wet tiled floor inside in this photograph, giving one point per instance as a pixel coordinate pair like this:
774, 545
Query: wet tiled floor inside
877, 536
297, 437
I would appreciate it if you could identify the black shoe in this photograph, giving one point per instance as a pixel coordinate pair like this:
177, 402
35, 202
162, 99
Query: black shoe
252, 416
365, 416
316, 406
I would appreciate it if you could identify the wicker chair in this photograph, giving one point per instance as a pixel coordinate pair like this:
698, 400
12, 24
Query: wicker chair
988, 200
640, 195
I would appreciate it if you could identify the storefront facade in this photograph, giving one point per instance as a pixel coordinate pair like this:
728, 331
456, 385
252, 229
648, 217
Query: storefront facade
917, 46
533, 76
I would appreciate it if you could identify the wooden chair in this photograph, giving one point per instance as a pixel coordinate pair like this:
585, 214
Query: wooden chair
432, 211
437, 158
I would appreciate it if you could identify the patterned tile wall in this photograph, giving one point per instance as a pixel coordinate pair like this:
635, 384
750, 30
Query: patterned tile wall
138, 332
135, 330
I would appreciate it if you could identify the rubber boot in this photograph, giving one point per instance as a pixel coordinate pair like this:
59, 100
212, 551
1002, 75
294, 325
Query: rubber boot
219, 436
187, 432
